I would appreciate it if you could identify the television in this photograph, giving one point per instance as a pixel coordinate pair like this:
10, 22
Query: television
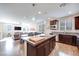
17, 28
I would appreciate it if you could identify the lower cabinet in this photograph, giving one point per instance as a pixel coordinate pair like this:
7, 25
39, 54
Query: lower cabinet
67, 39
77, 43
43, 49
52, 43
31, 50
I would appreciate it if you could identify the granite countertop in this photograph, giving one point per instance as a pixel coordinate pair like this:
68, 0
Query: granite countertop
35, 40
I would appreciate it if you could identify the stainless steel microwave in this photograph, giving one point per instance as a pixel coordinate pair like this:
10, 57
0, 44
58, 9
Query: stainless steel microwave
53, 27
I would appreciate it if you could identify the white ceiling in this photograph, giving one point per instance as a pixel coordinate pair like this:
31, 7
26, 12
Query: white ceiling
25, 11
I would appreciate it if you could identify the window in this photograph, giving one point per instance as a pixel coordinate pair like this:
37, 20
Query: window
65, 24
69, 25
62, 24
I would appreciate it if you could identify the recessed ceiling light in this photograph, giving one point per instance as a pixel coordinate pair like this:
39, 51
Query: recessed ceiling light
39, 12
33, 18
49, 18
69, 12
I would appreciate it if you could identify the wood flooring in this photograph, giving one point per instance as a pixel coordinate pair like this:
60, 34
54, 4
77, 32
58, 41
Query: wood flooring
10, 47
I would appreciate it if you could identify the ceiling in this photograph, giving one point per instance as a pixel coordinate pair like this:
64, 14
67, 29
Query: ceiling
26, 11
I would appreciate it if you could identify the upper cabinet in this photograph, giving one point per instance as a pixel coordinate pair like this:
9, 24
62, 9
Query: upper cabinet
69, 23
53, 24
77, 23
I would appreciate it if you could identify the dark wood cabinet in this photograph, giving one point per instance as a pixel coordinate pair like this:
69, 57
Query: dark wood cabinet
31, 50
47, 49
53, 22
77, 43
52, 44
43, 49
77, 23
67, 39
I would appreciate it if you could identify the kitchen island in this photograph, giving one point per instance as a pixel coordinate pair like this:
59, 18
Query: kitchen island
40, 45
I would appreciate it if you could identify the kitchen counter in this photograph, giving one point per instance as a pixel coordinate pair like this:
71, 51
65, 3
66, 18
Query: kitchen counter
35, 40
40, 45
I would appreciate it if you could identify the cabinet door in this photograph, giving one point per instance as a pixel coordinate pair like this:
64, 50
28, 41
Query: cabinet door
61, 38
67, 39
76, 23
47, 47
74, 41
31, 51
41, 49
52, 43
